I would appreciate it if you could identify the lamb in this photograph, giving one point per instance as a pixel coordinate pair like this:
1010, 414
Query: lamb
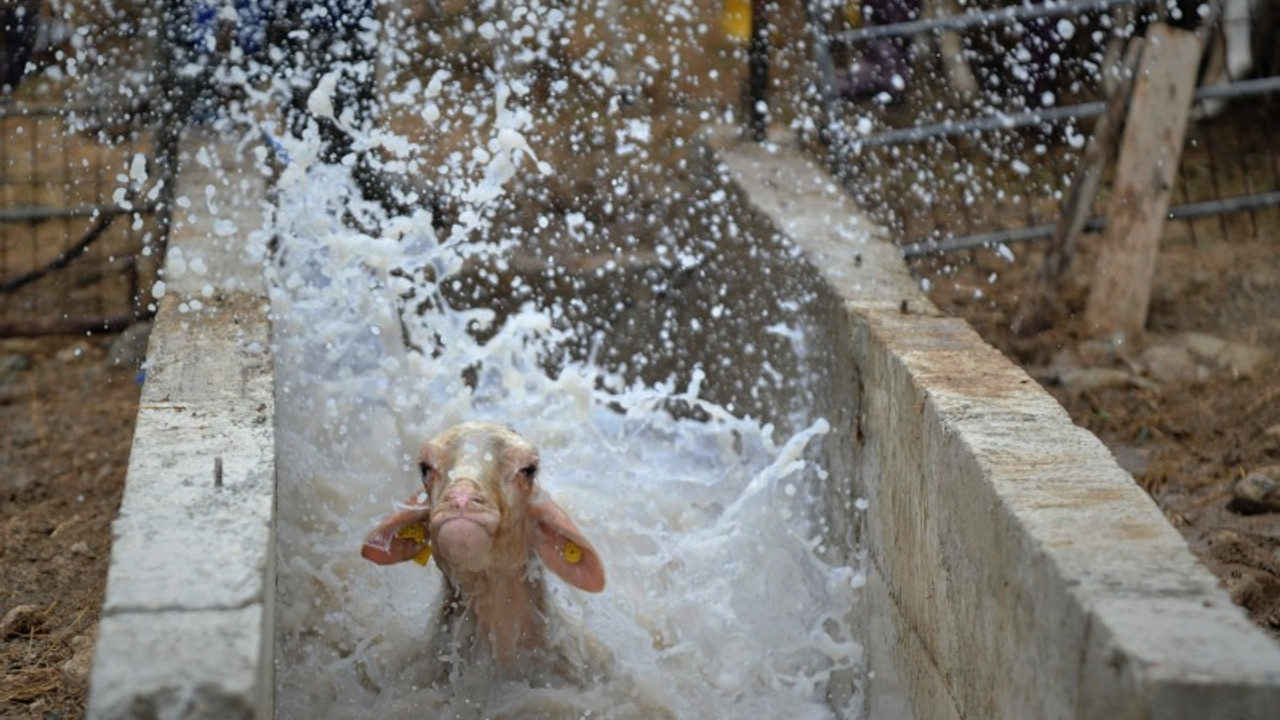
482, 516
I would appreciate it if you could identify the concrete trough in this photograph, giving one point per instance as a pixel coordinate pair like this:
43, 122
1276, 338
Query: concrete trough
1014, 570
186, 627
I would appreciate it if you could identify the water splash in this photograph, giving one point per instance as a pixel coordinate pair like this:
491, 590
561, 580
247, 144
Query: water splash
718, 605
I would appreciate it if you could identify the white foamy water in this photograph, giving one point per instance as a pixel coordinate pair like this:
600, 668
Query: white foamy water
717, 604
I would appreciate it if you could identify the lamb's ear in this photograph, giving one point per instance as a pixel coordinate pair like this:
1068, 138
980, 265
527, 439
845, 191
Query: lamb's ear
563, 548
402, 535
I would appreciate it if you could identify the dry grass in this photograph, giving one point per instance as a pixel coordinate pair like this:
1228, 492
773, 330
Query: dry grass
39, 653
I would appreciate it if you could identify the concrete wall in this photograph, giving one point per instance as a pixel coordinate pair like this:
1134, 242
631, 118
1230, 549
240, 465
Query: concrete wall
186, 625
1015, 570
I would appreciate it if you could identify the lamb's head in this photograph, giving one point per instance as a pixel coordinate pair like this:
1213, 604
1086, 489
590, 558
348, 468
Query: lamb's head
481, 513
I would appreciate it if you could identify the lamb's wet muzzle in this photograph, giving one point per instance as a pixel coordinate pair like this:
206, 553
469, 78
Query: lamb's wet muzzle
464, 541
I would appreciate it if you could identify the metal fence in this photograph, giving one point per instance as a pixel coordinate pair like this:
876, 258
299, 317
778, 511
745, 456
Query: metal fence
90, 111
75, 221
963, 130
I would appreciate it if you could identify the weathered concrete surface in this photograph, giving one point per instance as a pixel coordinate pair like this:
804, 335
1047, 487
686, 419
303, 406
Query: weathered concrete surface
1015, 571
863, 270
186, 627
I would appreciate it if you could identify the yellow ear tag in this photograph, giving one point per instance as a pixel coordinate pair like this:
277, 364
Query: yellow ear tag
417, 533
571, 553
414, 532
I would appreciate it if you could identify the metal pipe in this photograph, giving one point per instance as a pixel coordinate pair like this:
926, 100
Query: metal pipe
951, 128
985, 18
1239, 88
1225, 205
8, 111
175, 109
824, 67
758, 72
39, 214
997, 237
28, 326
1188, 211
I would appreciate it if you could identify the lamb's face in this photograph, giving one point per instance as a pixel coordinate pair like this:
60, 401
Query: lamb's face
481, 514
479, 479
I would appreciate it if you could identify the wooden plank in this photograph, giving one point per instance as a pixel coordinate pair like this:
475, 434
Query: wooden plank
1120, 290
1035, 311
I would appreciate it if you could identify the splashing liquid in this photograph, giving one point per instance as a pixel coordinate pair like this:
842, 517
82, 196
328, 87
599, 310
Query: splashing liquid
718, 604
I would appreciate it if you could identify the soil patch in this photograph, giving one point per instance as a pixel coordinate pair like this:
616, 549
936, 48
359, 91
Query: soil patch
1188, 424
68, 421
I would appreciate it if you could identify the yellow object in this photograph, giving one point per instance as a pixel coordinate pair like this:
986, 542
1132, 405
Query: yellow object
417, 533
571, 553
414, 532
736, 21
853, 13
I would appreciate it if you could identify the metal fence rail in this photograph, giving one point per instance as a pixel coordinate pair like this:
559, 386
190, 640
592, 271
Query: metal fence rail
990, 18
1031, 118
69, 248
949, 171
1189, 211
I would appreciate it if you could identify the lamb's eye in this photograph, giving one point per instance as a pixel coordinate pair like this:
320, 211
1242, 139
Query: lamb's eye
529, 471
428, 474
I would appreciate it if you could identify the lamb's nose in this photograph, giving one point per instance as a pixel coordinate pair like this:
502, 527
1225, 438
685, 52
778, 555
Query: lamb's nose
460, 495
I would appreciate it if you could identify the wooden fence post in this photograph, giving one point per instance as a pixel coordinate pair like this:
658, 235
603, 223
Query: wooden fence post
1120, 289
1040, 303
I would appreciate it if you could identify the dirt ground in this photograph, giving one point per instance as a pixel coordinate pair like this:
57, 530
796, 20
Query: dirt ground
68, 421
1191, 410
1186, 431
